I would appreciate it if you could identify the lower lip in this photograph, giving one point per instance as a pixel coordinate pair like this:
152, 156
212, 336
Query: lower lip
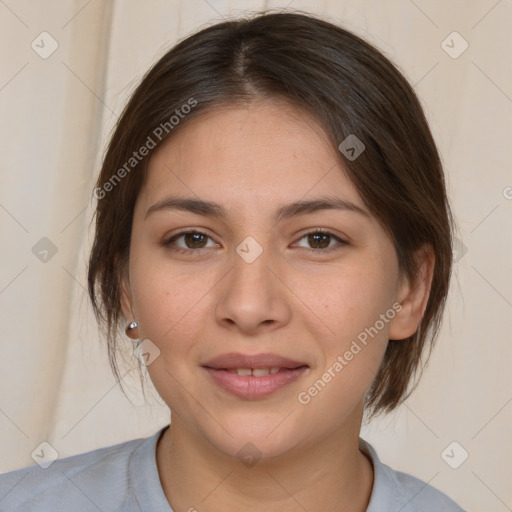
251, 387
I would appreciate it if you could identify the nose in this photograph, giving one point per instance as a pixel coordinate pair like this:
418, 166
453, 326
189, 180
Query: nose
253, 298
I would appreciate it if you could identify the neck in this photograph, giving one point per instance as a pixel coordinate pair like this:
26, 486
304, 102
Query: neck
333, 475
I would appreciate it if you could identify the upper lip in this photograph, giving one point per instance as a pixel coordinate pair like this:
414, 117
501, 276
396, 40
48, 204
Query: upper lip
235, 360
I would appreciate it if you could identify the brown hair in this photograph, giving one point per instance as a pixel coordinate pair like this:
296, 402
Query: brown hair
346, 84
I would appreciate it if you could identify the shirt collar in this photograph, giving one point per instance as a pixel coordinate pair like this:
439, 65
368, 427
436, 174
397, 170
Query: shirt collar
386, 491
144, 477
143, 474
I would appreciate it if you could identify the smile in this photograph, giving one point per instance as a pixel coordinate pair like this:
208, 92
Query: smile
253, 376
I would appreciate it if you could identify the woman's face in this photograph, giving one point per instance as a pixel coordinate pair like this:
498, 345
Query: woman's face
254, 282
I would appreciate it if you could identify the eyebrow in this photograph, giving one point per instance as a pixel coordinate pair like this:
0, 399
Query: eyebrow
296, 208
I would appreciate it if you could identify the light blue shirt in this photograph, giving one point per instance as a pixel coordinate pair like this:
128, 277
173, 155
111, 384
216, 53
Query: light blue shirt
124, 478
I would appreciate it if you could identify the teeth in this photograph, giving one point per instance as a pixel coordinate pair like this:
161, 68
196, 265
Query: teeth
260, 372
256, 372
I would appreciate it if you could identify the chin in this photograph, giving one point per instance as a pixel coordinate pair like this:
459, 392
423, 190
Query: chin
250, 440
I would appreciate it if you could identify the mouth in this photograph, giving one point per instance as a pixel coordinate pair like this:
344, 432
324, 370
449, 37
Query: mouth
253, 376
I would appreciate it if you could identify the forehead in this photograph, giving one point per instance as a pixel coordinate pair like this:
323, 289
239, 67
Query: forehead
248, 155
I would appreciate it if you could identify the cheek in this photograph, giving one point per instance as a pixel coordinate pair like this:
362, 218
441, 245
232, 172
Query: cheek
170, 304
352, 355
169, 300
355, 303
352, 298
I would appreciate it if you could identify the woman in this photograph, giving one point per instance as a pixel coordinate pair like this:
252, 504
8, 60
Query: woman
272, 228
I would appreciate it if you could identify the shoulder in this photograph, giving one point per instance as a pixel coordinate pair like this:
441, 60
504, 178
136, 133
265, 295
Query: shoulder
420, 496
98, 479
395, 490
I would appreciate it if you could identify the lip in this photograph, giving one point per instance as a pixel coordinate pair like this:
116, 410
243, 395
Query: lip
251, 387
235, 360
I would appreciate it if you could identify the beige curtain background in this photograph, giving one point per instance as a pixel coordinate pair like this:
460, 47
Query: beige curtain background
67, 68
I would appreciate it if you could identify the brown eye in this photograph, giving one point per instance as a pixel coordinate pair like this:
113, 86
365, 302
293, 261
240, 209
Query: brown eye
318, 240
188, 241
194, 240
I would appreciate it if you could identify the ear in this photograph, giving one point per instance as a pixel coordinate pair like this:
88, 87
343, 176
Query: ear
126, 300
413, 296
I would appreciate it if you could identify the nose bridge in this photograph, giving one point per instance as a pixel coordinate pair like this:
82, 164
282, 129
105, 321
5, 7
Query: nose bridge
252, 295
251, 265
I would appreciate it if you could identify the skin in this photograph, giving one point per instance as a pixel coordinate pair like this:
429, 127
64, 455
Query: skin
294, 300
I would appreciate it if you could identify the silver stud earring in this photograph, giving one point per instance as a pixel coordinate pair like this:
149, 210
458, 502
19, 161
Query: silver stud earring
130, 327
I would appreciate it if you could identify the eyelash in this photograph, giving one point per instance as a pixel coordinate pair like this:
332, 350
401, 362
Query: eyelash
180, 250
